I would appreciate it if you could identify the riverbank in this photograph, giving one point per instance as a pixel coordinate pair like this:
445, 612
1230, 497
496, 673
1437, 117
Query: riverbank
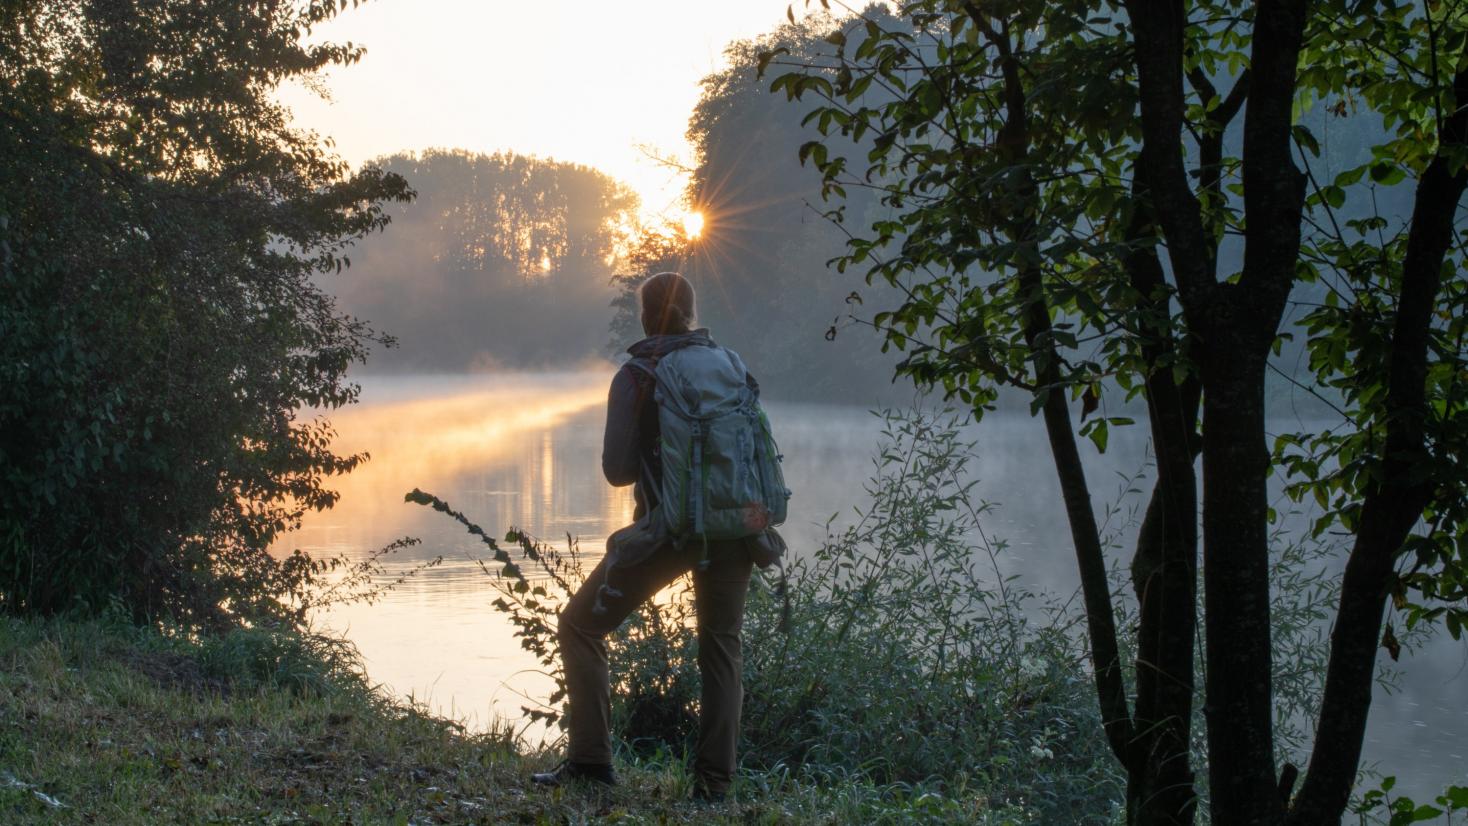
103, 723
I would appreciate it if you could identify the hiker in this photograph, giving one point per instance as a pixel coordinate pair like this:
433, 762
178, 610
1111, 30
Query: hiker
645, 557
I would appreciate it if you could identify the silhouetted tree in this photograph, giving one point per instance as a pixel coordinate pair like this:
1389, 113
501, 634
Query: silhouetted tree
652, 250
160, 228
760, 263
1060, 189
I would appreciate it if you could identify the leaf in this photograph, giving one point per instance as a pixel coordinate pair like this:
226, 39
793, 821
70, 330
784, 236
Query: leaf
1306, 139
815, 150
1392, 646
766, 57
1387, 174
1405, 812
1456, 797
1350, 176
1090, 400
1037, 402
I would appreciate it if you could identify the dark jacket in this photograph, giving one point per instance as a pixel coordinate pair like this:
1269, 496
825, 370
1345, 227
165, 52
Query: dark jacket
629, 454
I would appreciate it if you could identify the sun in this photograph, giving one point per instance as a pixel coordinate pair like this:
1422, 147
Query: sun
693, 224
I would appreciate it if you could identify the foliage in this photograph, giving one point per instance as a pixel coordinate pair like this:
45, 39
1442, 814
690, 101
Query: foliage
913, 657
996, 139
910, 661
944, 245
1072, 214
161, 229
1361, 254
524, 596
1402, 811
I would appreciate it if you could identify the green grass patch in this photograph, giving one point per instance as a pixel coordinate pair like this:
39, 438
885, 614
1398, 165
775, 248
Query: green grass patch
103, 723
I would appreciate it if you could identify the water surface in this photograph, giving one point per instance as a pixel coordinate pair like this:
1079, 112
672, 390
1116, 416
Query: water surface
525, 451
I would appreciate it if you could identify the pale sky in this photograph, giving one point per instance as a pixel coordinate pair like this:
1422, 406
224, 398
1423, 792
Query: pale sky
584, 81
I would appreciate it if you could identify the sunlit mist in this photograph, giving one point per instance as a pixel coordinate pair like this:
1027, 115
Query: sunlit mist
437, 441
516, 76
693, 224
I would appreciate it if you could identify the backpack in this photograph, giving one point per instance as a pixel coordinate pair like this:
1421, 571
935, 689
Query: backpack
721, 467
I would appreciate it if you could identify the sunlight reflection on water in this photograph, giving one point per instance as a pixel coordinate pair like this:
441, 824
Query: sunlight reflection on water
508, 451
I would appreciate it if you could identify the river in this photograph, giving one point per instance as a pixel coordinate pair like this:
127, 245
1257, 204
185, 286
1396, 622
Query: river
524, 451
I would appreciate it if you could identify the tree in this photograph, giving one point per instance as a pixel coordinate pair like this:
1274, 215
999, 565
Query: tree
500, 257
160, 227
651, 251
758, 264
1069, 204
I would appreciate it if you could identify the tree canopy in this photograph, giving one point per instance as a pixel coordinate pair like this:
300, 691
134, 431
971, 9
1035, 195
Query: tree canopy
163, 340
1089, 200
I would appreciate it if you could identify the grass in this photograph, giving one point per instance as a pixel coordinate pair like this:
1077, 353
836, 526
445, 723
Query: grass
102, 723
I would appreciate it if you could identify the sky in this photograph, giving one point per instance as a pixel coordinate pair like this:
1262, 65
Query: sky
584, 81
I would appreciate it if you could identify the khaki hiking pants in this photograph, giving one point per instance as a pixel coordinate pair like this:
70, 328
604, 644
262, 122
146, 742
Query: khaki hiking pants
719, 593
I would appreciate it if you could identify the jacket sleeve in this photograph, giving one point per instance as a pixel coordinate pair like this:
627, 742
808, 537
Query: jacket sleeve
620, 443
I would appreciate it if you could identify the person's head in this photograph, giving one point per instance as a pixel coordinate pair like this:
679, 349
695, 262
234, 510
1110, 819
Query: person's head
667, 303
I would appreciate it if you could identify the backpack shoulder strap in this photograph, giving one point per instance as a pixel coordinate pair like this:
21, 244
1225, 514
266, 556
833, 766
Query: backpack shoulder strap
645, 366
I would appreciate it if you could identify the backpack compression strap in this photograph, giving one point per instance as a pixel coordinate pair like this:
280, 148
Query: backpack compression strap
695, 493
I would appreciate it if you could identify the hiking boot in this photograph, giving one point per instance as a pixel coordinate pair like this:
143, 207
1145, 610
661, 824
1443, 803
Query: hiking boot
702, 794
568, 772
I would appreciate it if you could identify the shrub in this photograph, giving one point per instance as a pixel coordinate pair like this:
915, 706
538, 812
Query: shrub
909, 661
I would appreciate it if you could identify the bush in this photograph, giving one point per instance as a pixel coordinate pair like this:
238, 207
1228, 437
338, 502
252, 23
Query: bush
305, 664
161, 232
909, 661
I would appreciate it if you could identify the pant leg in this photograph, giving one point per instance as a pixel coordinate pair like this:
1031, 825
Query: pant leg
582, 633
719, 594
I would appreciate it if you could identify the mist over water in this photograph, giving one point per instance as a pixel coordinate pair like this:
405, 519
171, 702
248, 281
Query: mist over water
524, 450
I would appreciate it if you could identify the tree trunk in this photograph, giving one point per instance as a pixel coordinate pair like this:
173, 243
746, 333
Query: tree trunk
1235, 325
1160, 787
1014, 138
1239, 705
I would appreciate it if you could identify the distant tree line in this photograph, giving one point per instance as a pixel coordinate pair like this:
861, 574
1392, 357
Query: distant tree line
502, 260
511, 261
163, 338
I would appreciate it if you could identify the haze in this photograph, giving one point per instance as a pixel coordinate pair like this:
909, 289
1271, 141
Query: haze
583, 82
